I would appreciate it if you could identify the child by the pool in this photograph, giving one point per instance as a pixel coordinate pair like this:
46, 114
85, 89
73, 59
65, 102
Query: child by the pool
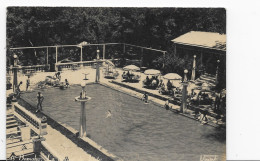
40, 99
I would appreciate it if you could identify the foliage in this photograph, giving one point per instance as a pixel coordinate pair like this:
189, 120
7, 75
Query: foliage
150, 27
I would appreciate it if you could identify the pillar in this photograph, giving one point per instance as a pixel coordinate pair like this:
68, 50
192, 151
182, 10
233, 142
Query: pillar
56, 54
15, 68
217, 70
56, 69
193, 74
124, 49
163, 60
142, 57
83, 99
97, 68
81, 56
104, 51
47, 59
83, 129
184, 93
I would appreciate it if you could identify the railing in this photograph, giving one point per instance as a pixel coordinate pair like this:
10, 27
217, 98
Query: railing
77, 65
29, 69
73, 65
36, 124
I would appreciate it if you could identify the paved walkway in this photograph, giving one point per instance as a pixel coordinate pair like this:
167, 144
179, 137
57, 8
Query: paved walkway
64, 147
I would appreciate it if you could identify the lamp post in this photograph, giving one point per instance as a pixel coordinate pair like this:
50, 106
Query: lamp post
15, 68
83, 98
184, 92
97, 67
218, 61
193, 69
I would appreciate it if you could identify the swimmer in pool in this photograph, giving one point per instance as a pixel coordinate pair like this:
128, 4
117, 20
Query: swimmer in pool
109, 114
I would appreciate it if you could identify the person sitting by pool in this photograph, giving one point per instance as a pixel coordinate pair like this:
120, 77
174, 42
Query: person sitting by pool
128, 75
162, 89
166, 105
58, 76
123, 75
157, 81
147, 81
145, 97
40, 99
160, 83
67, 83
169, 85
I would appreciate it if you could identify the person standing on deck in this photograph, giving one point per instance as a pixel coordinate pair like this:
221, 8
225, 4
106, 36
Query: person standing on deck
27, 82
18, 90
40, 99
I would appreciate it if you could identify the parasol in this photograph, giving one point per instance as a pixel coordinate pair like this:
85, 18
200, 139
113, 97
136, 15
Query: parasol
131, 67
172, 76
152, 72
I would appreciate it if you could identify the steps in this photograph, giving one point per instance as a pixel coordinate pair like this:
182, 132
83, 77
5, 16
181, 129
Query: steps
206, 78
14, 144
11, 122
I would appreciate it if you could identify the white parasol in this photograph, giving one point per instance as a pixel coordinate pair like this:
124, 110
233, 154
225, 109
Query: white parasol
152, 72
131, 67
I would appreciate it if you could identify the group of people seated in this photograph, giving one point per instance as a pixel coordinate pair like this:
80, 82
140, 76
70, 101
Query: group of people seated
168, 89
130, 76
55, 81
151, 82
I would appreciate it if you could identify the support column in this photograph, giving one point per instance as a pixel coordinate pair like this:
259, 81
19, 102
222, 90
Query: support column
104, 51
124, 49
47, 60
97, 68
163, 60
83, 128
184, 93
15, 68
83, 98
193, 74
217, 71
56, 69
142, 57
56, 54
81, 56
81, 53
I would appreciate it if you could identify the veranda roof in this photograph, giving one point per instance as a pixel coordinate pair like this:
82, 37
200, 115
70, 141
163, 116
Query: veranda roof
209, 40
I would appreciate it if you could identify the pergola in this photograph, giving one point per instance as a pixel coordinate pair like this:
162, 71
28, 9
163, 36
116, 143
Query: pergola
81, 45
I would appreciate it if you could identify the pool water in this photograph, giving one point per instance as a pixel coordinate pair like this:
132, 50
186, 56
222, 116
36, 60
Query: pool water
134, 131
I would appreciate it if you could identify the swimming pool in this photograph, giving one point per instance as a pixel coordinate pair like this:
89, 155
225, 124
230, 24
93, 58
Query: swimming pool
135, 131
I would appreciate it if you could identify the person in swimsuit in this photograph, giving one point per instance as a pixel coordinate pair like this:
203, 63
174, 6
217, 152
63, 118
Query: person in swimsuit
40, 99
